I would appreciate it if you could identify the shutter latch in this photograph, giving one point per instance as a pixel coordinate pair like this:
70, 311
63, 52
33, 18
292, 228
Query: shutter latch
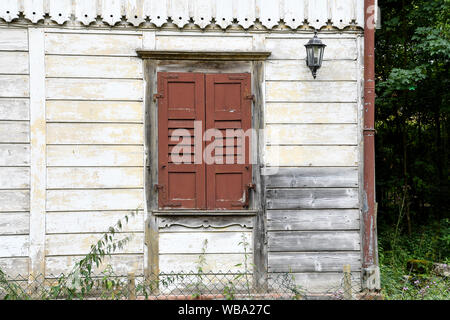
157, 96
250, 97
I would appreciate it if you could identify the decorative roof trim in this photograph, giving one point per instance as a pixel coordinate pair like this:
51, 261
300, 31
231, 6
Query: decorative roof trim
204, 55
203, 13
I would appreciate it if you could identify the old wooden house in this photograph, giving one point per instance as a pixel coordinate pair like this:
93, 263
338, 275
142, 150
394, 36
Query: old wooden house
109, 107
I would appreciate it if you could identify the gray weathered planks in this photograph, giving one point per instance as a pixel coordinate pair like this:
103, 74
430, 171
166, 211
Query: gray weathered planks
292, 241
313, 178
312, 198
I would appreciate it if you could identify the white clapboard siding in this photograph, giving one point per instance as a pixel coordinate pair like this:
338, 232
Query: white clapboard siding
317, 282
313, 261
297, 113
13, 39
193, 242
14, 86
304, 220
14, 131
122, 265
94, 89
312, 156
14, 223
16, 268
204, 43
307, 91
94, 111
14, 177
334, 70
97, 199
92, 44
294, 48
93, 221
14, 109
131, 156
14, 62
93, 67
292, 241
14, 155
94, 133
97, 177
14, 246
185, 263
80, 244
14, 200
303, 134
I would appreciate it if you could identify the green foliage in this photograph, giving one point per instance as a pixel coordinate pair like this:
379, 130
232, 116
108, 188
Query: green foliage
412, 114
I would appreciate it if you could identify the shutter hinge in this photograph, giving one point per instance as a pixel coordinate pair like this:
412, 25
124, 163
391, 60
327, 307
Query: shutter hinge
158, 187
250, 97
157, 96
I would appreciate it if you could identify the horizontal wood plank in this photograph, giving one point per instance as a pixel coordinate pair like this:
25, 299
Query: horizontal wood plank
297, 113
122, 265
94, 89
94, 133
92, 44
97, 199
14, 155
205, 43
313, 261
14, 62
295, 49
14, 223
292, 241
14, 177
303, 220
14, 86
194, 242
15, 268
325, 198
14, 200
14, 246
13, 39
93, 67
93, 221
95, 156
308, 91
79, 178
335, 70
94, 111
317, 134
317, 282
312, 156
214, 263
311, 177
80, 244
14, 131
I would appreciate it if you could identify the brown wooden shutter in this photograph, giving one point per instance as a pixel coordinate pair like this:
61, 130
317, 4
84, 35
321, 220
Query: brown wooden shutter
181, 102
228, 106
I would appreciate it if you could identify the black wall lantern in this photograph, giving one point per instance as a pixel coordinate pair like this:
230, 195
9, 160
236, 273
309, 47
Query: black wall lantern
314, 54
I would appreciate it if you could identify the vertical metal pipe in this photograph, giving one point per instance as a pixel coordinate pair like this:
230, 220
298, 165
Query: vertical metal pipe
369, 214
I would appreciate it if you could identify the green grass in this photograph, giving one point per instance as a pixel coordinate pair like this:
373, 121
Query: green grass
406, 262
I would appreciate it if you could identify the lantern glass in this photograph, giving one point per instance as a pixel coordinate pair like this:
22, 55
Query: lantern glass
314, 54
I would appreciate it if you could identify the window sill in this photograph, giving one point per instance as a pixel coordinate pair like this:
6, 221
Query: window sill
194, 213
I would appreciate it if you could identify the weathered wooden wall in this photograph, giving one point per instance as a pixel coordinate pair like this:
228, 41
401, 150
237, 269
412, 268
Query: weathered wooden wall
313, 132
95, 161
94, 112
14, 151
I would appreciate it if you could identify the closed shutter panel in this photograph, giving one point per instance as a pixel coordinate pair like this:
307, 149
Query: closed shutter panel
228, 109
181, 102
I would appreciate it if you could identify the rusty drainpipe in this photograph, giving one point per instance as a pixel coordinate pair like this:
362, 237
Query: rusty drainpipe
370, 274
